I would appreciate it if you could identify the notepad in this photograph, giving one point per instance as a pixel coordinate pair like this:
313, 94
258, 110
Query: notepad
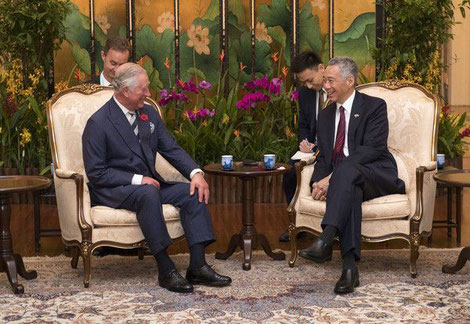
299, 155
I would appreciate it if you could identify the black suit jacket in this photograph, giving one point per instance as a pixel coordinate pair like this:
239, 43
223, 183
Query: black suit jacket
112, 153
307, 114
367, 141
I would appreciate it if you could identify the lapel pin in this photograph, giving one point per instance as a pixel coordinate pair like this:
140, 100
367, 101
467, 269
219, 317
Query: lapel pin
356, 115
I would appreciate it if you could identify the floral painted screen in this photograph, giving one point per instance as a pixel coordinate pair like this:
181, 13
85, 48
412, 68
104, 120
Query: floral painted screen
352, 25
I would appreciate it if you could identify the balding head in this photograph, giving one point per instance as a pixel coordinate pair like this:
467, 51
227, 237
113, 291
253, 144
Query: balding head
127, 75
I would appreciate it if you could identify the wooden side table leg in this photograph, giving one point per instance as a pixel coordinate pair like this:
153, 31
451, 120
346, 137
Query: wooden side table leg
232, 246
449, 211
464, 256
9, 265
28, 275
247, 245
263, 241
458, 212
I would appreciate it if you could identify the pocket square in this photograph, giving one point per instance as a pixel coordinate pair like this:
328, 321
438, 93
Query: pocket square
152, 127
356, 115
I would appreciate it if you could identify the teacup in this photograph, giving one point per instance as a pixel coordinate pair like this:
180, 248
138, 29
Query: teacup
269, 161
227, 162
441, 159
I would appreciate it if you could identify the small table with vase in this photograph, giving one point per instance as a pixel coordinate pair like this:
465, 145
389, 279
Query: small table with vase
248, 238
456, 178
10, 262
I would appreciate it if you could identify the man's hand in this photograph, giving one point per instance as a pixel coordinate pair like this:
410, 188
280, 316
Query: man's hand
320, 188
151, 181
198, 182
306, 148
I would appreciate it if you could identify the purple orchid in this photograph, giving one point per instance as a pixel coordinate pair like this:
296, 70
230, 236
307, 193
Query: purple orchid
205, 85
294, 96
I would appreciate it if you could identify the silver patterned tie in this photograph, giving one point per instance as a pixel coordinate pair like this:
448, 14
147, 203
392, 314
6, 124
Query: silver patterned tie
133, 122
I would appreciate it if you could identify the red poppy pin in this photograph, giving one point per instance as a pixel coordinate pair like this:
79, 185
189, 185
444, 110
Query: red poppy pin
144, 117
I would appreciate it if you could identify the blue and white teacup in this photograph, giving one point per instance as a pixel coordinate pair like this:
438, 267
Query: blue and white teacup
227, 162
441, 159
269, 161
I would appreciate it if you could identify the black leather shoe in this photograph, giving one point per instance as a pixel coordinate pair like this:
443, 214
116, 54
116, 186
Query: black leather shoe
319, 251
205, 275
348, 281
284, 237
173, 281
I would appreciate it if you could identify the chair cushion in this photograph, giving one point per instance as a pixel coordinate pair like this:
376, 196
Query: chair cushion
106, 216
385, 207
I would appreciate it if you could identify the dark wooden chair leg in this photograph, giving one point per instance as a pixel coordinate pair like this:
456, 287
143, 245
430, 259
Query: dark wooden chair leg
414, 254
75, 255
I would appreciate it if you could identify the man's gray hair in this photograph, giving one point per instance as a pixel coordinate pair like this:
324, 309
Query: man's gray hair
346, 65
127, 75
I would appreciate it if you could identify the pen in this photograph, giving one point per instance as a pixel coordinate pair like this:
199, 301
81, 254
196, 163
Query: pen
308, 143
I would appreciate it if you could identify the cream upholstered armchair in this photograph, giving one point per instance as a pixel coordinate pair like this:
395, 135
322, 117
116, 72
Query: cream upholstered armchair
84, 227
412, 116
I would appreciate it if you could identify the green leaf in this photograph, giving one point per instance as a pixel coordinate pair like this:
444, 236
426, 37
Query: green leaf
278, 34
310, 36
212, 11
197, 72
236, 8
358, 40
82, 57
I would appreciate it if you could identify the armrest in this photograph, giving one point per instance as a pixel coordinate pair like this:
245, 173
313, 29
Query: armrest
167, 171
299, 168
423, 173
78, 179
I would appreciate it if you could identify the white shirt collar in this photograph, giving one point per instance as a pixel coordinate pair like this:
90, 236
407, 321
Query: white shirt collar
103, 80
348, 103
124, 109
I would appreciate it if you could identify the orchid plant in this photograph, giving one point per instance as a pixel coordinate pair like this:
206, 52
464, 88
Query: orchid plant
253, 119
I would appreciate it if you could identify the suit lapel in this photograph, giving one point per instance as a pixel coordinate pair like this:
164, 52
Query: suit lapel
355, 119
123, 128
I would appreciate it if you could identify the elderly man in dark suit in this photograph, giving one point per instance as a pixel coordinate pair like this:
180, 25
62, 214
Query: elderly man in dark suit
353, 165
120, 142
308, 69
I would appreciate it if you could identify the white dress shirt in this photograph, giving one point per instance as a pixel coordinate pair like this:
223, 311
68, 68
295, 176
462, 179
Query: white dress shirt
137, 178
347, 105
103, 80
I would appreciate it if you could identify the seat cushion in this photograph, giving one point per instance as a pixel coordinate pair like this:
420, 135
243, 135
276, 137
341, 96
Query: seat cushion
386, 207
106, 216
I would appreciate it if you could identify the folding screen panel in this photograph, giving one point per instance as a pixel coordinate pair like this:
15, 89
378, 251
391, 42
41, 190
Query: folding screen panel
178, 38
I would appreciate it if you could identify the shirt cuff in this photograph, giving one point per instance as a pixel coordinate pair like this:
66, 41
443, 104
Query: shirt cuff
137, 179
191, 175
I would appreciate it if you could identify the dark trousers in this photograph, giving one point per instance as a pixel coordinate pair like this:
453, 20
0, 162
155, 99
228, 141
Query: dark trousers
289, 182
350, 185
147, 202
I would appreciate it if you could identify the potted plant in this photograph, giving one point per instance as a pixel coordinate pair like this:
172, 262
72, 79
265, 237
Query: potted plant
451, 136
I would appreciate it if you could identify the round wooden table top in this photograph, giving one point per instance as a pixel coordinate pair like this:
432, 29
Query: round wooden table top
11, 184
240, 170
457, 178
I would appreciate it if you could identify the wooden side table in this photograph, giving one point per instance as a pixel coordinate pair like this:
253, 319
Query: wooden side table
10, 262
456, 179
248, 238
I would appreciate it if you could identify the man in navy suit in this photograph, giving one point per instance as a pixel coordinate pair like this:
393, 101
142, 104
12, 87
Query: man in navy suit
353, 165
120, 142
308, 69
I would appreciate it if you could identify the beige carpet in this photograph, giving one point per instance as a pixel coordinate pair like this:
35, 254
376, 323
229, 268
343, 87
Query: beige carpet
124, 290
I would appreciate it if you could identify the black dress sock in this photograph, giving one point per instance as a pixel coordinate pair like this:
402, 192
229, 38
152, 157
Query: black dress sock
164, 263
197, 256
349, 261
328, 234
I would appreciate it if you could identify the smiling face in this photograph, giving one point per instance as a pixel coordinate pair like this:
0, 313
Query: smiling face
311, 78
339, 89
135, 96
111, 61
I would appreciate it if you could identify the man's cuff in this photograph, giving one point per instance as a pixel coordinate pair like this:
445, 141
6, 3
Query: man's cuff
191, 175
137, 179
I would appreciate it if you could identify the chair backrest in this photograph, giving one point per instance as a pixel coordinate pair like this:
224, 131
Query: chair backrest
412, 116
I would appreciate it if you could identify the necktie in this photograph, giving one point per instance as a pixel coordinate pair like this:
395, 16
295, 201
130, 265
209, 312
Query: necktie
321, 99
133, 122
337, 156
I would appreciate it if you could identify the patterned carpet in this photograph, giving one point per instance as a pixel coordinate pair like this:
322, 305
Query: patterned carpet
124, 290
